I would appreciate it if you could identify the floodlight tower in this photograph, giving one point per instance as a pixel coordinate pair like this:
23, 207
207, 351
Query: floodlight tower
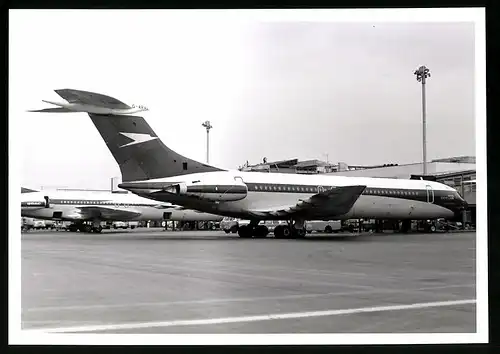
207, 126
422, 74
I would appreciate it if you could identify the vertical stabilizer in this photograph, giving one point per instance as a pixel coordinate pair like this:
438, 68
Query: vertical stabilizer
139, 152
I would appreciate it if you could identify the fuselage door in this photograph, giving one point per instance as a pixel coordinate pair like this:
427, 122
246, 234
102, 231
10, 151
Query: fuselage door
430, 194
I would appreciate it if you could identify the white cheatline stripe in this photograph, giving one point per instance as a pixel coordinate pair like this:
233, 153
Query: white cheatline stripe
122, 326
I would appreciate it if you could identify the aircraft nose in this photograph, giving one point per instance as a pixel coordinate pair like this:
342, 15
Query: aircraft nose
462, 201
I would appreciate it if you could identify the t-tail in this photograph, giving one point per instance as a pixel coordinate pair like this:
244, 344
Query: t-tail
139, 152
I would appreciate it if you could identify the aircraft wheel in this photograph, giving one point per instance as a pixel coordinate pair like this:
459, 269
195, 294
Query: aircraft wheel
234, 229
278, 231
245, 231
287, 233
261, 231
433, 228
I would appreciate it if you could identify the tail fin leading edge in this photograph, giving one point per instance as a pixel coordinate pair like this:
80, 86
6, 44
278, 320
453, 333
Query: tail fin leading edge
139, 152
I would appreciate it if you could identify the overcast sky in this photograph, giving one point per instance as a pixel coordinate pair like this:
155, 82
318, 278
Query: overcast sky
275, 89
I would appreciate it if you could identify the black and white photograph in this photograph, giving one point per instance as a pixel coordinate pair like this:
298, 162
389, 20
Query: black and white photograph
247, 176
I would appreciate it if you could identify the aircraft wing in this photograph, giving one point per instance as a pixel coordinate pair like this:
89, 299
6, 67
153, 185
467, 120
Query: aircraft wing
332, 202
91, 98
110, 213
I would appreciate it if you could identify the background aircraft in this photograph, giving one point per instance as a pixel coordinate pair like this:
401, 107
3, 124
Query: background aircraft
81, 206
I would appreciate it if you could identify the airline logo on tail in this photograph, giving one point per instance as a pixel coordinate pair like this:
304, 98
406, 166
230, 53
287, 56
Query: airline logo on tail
137, 138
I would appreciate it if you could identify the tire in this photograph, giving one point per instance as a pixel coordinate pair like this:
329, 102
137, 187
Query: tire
245, 232
227, 231
328, 229
278, 232
261, 231
234, 229
433, 228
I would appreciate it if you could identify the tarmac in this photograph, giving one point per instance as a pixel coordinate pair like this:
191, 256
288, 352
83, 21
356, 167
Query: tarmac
155, 281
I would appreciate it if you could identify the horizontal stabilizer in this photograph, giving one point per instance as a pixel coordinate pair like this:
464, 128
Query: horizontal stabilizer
91, 98
54, 110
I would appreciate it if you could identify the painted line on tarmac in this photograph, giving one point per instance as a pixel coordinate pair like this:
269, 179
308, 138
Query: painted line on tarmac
244, 319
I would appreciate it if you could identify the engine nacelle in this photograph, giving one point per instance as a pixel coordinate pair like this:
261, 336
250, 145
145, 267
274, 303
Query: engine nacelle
217, 192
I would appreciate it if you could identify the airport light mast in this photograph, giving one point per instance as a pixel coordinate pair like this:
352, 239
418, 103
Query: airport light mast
207, 126
422, 74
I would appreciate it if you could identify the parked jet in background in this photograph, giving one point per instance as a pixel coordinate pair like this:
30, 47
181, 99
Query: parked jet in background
150, 169
103, 206
84, 101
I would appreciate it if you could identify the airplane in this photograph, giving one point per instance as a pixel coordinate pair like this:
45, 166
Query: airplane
80, 206
90, 102
152, 170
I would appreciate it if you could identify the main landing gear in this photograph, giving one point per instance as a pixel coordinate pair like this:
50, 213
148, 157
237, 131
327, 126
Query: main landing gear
253, 229
95, 227
292, 230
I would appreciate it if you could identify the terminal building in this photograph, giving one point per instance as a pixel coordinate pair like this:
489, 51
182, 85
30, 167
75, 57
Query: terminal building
457, 172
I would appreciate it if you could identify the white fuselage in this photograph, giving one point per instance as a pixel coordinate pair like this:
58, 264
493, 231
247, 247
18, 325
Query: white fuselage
383, 198
70, 206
